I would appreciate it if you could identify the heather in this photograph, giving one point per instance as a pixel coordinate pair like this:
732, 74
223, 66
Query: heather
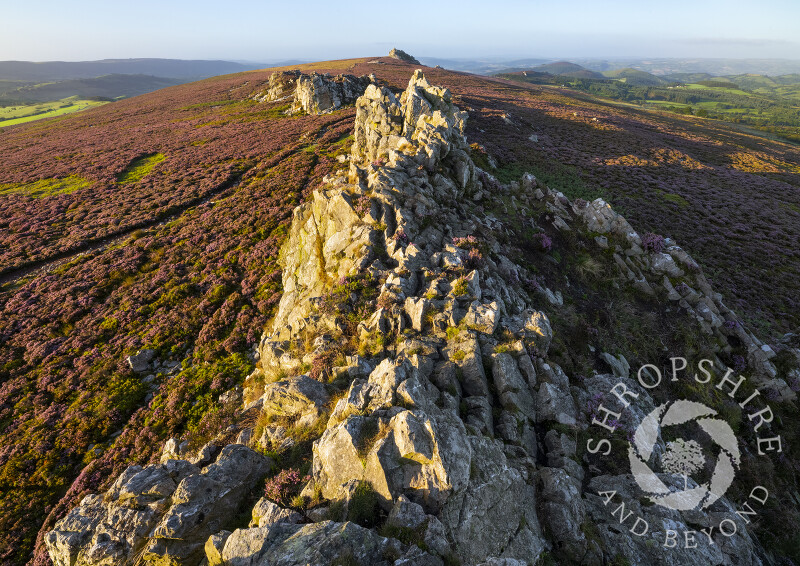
197, 184
197, 289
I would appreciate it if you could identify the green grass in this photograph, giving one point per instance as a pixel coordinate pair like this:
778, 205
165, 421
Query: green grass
46, 187
139, 167
677, 199
718, 89
12, 115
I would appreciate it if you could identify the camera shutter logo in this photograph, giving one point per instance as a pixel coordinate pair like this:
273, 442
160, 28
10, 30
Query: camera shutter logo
684, 456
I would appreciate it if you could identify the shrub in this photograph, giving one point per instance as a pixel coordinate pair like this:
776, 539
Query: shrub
284, 486
653, 243
363, 505
542, 241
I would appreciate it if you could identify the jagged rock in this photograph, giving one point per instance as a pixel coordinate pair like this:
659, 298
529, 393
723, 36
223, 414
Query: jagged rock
420, 427
282, 84
554, 403
327, 241
214, 546
140, 361
416, 310
319, 94
495, 515
564, 512
411, 454
203, 503
300, 397
600, 217
173, 448
403, 56
618, 364
315, 543
483, 318
165, 509
410, 515
511, 387
266, 513
738, 549
379, 119
315, 93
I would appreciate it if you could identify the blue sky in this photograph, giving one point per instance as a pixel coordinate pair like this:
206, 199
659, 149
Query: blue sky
41, 30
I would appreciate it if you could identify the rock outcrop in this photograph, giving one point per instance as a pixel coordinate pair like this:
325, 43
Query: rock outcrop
450, 409
314, 93
403, 56
161, 514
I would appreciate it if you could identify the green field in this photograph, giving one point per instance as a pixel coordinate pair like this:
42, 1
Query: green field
696, 86
46, 187
11, 115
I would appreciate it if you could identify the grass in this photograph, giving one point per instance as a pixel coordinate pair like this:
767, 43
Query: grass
696, 86
677, 199
46, 187
13, 115
139, 168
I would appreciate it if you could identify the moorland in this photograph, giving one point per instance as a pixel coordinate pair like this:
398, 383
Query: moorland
155, 222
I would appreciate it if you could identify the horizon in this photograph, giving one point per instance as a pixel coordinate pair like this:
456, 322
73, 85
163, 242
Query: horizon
251, 31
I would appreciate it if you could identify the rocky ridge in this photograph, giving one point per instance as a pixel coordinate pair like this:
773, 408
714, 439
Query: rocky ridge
314, 93
451, 412
403, 56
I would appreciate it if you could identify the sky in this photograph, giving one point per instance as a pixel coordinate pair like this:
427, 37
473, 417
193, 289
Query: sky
265, 31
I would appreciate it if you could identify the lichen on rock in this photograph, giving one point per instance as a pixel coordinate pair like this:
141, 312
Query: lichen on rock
440, 393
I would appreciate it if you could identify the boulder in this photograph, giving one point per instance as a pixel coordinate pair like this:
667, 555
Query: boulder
495, 514
161, 510
326, 542
482, 317
140, 361
299, 396
266, 513
512, 388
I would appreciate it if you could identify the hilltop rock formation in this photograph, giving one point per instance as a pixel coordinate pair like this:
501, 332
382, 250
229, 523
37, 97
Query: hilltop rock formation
450, 409
403, 56
314, 93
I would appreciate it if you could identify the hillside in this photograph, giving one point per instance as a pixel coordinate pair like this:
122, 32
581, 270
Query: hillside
108, 86
635, 77
37, 72
567, 69
156, 223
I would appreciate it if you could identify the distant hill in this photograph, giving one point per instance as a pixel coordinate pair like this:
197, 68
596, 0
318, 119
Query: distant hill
481, 66
108, 86
636, 77
567, 69
65, 70
690, 77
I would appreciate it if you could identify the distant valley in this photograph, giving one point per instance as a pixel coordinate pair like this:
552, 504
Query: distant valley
31, 91
768, 104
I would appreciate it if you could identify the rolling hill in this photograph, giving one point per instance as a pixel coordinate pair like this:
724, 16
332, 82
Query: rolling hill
636, 77
38, 72
564, 68
150, 245
108, 86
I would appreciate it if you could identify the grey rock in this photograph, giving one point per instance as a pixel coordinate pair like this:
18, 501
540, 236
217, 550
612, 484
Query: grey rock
619, 365
403, 56
298, 396
512, 388
482, 317
140, 361
266, 513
